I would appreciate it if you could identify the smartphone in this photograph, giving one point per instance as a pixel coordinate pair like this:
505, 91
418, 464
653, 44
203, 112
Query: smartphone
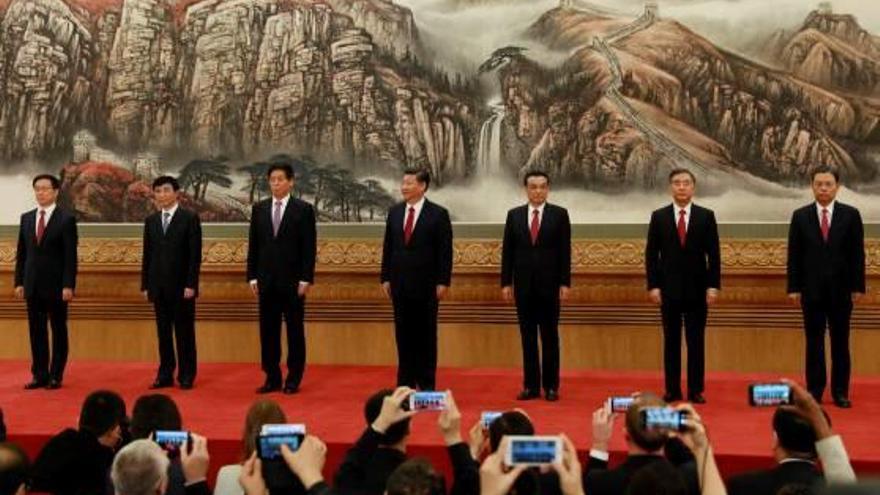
527, 450
487, 417
427, 401
770, 394
662, 418
171, 440
620, 403
269, 444
269, 429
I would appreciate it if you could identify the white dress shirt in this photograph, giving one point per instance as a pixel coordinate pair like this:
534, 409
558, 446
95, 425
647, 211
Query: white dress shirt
687, 213
830, 209
170, 211
532, 210
418, 210
49, 209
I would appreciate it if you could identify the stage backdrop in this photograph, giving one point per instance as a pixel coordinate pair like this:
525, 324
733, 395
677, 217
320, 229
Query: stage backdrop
607, 97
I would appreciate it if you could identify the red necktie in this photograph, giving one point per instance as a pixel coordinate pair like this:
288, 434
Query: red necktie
408, 227
682, 227
536, 224
826, 227
41, 226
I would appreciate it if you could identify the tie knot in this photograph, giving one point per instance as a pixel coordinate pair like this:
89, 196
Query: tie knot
681, 213
166, 214
535, 212
278, 204
412, 209
42, 213
824, 211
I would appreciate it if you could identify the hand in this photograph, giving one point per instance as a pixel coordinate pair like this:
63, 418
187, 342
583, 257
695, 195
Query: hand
449, 421
441, 291
655, 296
391, 411
507, 293
493, 479
67, 294
795, 297
19, 292
189, 293
805, 405
303, 289
694, 437
569, 469
251, 477
308, 461
603, 427
195, 460
478, 441
564, 292
711, 296
255, 288
386, 288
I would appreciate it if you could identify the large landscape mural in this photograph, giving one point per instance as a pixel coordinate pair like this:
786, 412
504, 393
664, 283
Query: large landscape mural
606, 96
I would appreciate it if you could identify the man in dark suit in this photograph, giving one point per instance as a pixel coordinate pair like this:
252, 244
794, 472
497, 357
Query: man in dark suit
416, 272
826, 273
45, 275
282, 243
172, 256
683, 265
536, 270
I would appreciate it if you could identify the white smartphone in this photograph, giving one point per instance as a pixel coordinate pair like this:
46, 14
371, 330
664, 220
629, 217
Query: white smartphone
529, 450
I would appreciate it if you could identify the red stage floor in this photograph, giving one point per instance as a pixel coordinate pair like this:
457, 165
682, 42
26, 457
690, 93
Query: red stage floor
331, 398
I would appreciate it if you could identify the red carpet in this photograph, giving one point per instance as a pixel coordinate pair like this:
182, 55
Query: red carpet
331, 398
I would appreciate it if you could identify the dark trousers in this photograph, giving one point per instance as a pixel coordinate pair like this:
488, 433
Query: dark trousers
693, 315
539, 313
415, 330
274, 303
175, 322
41, 312
817, 317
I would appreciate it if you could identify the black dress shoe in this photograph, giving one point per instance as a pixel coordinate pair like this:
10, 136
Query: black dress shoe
842, 402
551, 396
670, 398
290, 389
186, 385
53, 384
161, 384
268, 388
35, 384
696, 399
527, 394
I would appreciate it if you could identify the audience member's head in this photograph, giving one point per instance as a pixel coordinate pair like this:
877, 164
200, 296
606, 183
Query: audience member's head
261, 412
397, 433
657, 478
102, 414
509, 423
14, 467
795, 436
638, 438
140, 469
415, 477
154, 412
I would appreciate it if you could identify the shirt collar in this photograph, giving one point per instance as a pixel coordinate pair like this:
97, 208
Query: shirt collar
540, 208
283, 200
417, 205
49, 209
830, 208
171, 210
686, 208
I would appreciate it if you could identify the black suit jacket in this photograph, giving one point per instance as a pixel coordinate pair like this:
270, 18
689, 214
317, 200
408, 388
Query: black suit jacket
683, 273
289, 258
418, 268
72, 463
598, 480
171, 260
771, 480
45, 269
814, 266
544, 266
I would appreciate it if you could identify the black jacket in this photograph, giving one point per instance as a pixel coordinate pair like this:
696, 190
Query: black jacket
72, 463
366, 466
289, 258
171, 260
601, 481
48, 267
544, 266
769, 481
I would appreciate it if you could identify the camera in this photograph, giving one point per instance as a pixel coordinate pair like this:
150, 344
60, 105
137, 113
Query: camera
426, 401
620, 403
526, 450
770, 394
272, 437
172, 441
662, 418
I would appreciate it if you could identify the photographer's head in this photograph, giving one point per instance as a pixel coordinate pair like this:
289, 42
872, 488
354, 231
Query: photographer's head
262, 412
14, 466
396, 434
154, 412
795, 436
510, 423
415, 477
102, 414
639, 439
657, 478
140, 469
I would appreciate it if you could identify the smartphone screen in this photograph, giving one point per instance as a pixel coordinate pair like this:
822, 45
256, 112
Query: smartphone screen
427, 401
620, 404
171, 440
269, 445
662, 418
769, 394
533, 450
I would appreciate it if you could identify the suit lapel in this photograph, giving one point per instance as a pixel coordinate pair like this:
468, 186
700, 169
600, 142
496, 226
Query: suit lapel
30, 226
836, 219
813, 221
693, 223
50, 225
423, 218
546, 219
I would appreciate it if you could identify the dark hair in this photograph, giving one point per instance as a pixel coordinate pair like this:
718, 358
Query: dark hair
796, 489
396, 432
260, 413
166, 179
154, 412
509, 423
795, 434
649, 440
284, 167
56, 184
102, 411
535, 173
415, 477
825, 169
14, 467
657, 478
423, 176
679, 171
